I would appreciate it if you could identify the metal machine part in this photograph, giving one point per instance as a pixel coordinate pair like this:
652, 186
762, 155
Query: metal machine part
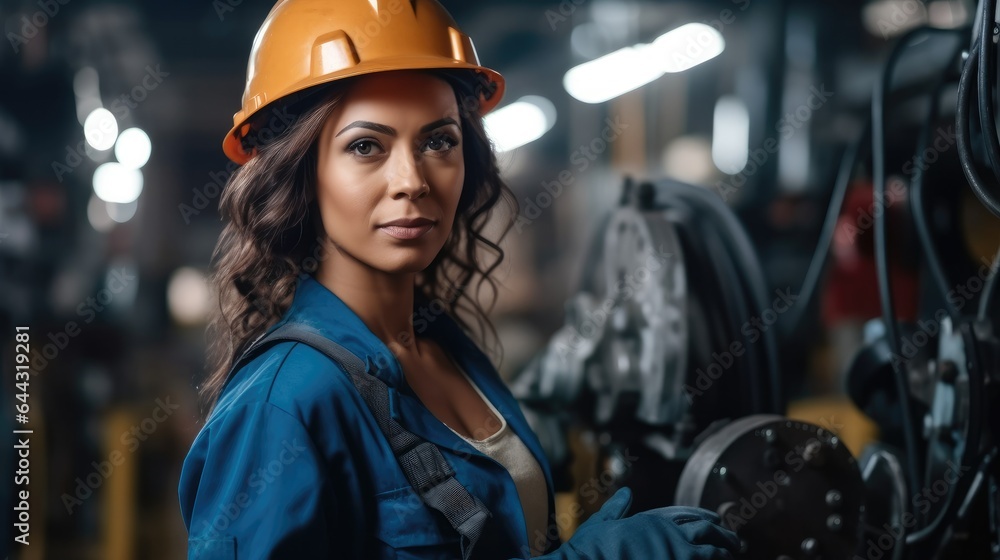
665, 297
629, 337
946, 424
790, 489
644, 346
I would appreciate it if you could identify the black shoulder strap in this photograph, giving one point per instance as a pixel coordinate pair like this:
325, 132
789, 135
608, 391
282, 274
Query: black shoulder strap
422, 462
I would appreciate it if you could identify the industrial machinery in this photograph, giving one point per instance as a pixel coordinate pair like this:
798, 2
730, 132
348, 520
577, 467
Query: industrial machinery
669, 354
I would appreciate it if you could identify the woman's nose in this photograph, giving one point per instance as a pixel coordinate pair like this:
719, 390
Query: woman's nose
406, 177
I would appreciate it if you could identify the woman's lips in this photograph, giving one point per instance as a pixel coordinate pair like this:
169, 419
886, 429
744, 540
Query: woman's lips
403, 232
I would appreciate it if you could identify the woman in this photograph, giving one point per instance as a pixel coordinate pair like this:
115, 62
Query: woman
367, 180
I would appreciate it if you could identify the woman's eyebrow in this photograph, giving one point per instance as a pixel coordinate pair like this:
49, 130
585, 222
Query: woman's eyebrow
369, 125
438, 124
388, 130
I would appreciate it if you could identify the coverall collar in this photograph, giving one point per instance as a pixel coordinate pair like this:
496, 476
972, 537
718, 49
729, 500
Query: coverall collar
318, 307
314, 304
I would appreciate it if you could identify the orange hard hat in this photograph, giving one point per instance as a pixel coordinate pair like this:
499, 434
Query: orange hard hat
305, 43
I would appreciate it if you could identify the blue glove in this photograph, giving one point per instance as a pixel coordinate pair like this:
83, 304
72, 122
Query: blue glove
669, 533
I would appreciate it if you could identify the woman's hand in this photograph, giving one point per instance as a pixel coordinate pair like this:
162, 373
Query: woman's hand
669, 533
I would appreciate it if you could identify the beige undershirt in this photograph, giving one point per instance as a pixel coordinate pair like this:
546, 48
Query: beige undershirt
507, 449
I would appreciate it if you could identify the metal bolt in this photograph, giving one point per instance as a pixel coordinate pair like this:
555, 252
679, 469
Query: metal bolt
811, 452
834, 498
724, 511
770, 436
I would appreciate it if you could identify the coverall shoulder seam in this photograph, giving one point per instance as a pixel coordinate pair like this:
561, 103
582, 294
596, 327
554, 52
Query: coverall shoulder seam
277, 371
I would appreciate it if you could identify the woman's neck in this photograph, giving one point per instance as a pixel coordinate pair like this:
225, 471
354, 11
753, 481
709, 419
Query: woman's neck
384, 302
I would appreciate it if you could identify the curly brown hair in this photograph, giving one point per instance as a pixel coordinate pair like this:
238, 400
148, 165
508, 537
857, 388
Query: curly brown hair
268, 208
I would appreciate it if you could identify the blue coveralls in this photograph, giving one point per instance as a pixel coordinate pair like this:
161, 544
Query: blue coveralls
291, 463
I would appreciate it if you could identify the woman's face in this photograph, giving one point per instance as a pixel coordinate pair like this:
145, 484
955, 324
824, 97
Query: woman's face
390, 151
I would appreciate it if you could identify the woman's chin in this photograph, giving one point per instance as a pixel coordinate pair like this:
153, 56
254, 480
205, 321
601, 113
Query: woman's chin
406, 262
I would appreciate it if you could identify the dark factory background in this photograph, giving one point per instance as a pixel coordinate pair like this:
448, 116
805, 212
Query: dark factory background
111, 168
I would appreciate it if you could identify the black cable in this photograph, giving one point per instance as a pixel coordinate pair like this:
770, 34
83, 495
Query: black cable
847, 164
975, 418
917, 201
970, 453
988, 290
752, 275
987, 78
933, 262
727, 271
976, 378
973, 488
701, 228
962, 135
937, 272
898, 509
713, 299
881, 258
984, 45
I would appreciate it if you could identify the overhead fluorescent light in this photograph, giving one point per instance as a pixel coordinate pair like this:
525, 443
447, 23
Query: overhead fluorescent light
521, 122
632, 67
730, 134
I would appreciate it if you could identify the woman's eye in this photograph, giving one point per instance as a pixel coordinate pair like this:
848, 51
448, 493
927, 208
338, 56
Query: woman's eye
364, 148
440, 143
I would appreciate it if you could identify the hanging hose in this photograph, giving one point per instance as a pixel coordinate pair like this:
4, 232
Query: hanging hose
987, 78
917, 201
962, 133
881, 257
847, 164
